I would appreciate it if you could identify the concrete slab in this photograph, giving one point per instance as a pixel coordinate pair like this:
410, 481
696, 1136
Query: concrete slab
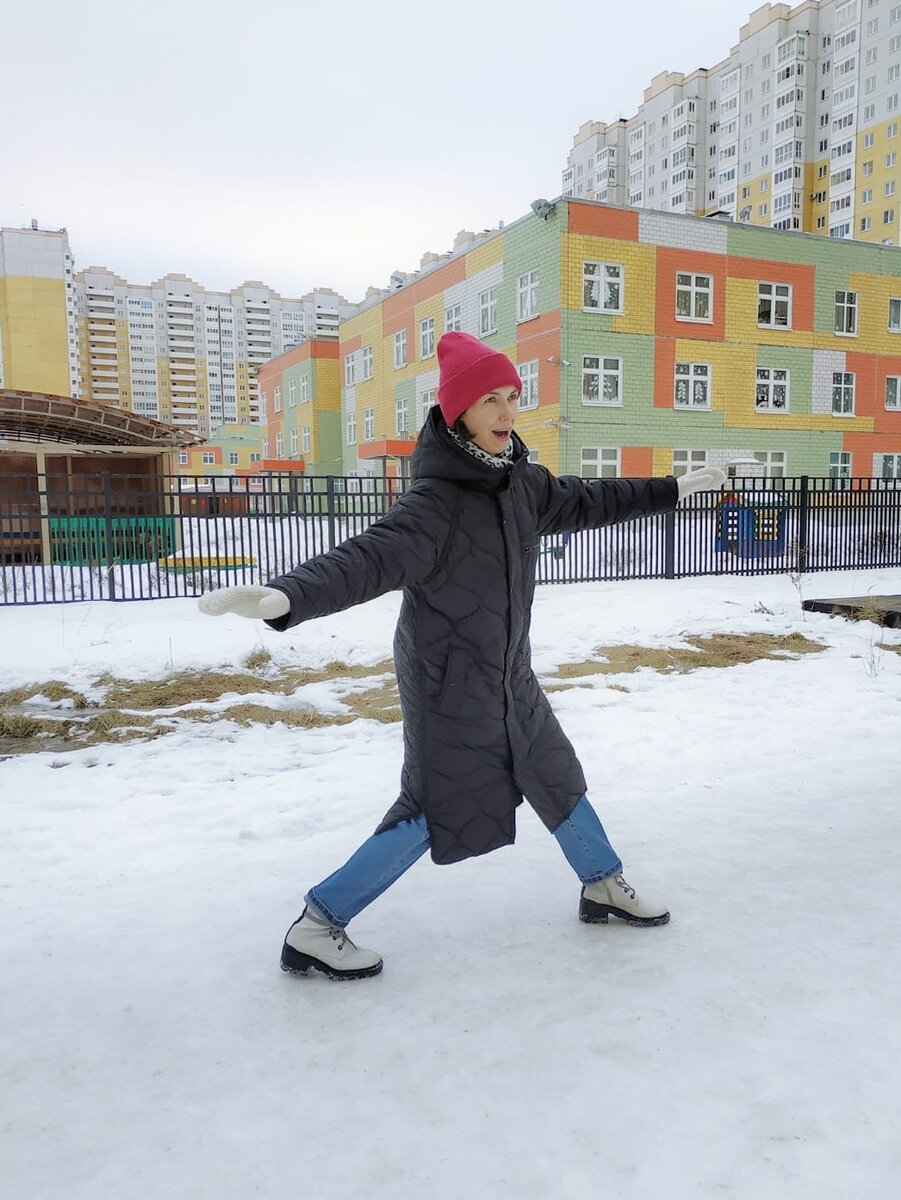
885, 610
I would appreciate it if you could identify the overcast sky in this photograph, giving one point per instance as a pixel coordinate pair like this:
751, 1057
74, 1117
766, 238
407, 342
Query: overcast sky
309, 144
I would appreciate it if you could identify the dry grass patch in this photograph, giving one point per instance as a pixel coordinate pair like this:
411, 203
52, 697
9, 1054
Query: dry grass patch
52, 689
262, 714
257, 659
717, 650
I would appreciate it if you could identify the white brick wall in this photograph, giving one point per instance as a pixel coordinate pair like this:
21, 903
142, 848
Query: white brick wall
682, 233
466, 294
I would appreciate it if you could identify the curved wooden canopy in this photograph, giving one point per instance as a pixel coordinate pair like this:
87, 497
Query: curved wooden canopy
38, 417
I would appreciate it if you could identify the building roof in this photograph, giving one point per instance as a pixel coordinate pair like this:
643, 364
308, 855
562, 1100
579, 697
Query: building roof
38, 417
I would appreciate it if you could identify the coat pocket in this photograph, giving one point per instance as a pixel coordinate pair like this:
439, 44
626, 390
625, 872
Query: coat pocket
450, 698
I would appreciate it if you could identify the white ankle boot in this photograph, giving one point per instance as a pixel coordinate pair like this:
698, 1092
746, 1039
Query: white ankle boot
613, 897
317, 946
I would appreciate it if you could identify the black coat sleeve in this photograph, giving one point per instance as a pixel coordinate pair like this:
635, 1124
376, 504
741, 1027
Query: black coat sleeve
397, 551
568, 504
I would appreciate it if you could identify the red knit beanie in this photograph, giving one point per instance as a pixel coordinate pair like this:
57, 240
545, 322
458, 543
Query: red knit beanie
469, 369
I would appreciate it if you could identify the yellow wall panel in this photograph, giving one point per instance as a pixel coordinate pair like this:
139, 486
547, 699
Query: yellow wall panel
485, 255
640, 278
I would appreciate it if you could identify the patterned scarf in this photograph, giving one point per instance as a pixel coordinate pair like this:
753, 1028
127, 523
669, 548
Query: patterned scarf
499, 461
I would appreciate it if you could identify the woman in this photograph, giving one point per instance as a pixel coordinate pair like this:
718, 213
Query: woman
479, 734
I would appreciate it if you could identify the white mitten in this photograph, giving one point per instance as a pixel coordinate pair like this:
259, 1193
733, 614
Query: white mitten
707, 479
262, 603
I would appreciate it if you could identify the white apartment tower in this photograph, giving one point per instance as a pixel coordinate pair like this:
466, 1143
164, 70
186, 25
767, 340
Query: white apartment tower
798, 128
174, 351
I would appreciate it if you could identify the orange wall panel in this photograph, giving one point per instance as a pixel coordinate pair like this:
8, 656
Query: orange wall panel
664, 372
600, 221
637, 462
398, 311
802, 279
670, 263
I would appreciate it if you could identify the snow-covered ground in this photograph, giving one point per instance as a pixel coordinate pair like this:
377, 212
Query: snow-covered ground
150, 1047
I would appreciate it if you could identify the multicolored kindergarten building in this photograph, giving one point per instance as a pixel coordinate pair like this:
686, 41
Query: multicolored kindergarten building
648, 344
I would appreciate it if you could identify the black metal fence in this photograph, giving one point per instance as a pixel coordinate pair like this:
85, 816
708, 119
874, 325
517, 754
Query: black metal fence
130, 537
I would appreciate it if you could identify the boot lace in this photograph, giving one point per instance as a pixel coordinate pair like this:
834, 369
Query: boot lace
339, 936
630, 891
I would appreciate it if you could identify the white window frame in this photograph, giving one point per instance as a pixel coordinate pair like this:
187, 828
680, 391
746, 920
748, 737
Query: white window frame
775, 384
608, 280
427, 337
368, 424
528, 373
779, 298
846, 313
894, 314
527, 295
602, 374
691, 374
688, 285
488, 312
304, 389
208, 458
183, 458
891, 467
400, 349
893, 393
293, 441
425, 401
605, 458
840, 464
350, 427
844, 390
775, 461
279, 445
292, 393
277, 399
307, 439
453, 318
400, 416
688, 460
350, 370
367, 362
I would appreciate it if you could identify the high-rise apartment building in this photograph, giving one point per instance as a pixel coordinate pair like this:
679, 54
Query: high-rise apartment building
38, 350
797, 128
177, 352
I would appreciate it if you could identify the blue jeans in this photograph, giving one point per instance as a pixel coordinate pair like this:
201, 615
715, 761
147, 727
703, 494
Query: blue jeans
384, 857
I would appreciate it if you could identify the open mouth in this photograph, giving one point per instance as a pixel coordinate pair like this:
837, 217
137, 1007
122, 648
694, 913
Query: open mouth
502, 435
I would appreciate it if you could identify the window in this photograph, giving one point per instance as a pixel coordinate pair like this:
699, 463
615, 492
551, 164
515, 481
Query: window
279, 445
891, 466
304, 388
427, 337
277, 399
866, 196
688, 460
368, 424
774, 305
893, 392
350, 374
293, 441
891, 159
488, 312
894, 314
888, 217
866, 224
692, 385
527, 296
528, 373
890, 188
694, 297
351, 428
846, 312
775, 461
232, 458
843, 393
400, 349
772, 389
208, 458
602, 380
424, 403
292, 393
182, 458
400, 415
367, 362
840, 464
600, 463
602, 286
453, 319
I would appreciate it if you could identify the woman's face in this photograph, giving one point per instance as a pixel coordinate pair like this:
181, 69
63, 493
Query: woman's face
491, 419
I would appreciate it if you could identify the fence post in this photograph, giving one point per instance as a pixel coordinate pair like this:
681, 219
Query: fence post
330, 500
669, 545
803, 511
108, 528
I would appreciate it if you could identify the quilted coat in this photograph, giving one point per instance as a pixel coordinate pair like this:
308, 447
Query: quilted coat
479, 734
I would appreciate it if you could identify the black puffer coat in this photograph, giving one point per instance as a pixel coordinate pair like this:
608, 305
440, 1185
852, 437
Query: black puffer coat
479, 733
